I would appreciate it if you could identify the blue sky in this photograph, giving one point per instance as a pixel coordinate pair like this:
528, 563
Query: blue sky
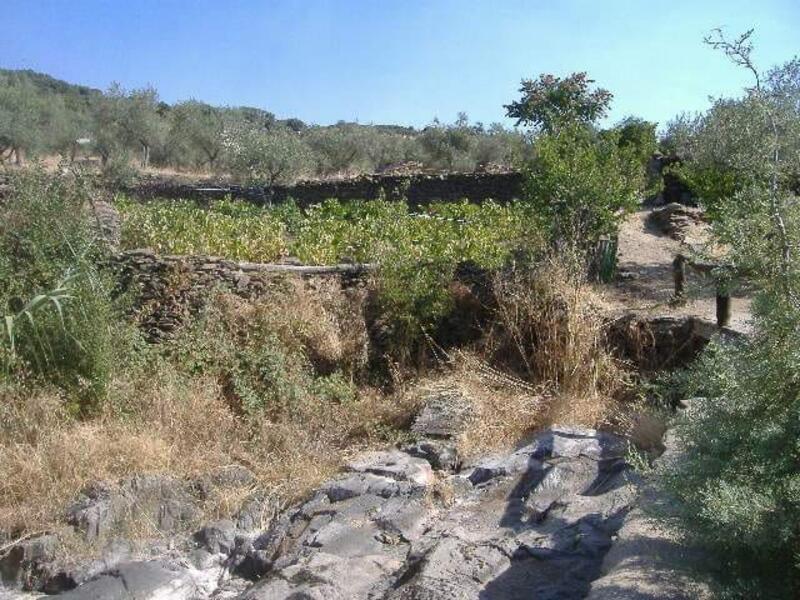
394, 61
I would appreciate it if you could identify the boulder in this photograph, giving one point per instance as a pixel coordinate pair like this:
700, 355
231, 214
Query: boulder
675, 220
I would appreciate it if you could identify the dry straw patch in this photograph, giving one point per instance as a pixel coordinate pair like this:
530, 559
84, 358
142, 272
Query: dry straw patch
161, 420
549, 329
543, 360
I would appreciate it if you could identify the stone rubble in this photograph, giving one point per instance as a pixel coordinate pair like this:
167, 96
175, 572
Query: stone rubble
557, 518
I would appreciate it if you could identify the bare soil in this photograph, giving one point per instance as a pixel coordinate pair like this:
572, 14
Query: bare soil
645, 284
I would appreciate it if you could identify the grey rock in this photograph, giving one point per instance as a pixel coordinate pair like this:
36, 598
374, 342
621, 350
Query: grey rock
140, 580
539, 522
217, 537
445, 414
360, 484
166, 501
394, 464
442, 455
325, 576
27, 564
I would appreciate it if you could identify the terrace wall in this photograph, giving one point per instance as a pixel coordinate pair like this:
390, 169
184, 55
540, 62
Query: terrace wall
418, 189
167, 290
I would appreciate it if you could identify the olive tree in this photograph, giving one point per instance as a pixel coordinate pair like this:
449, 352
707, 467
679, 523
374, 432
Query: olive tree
266, 156
737, 482
450, 147
127, 121
196, 133
26, 120
343, 147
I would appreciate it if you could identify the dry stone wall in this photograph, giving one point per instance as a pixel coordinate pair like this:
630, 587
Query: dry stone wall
166, 290
419, 189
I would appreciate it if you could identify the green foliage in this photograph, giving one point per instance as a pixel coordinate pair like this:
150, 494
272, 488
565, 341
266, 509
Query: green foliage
550, 103
30, 122
260, 355
580, 185
235, 230
417, 252
40, 115
738, 482
266, 156
638, 137
195, 134
127, 122
59, 321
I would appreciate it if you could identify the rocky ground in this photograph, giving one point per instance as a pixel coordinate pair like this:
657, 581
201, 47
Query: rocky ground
563, 516
560, 517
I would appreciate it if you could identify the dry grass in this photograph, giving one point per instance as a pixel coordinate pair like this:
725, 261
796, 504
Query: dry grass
549, 330
542, 361
162, 420
184, 428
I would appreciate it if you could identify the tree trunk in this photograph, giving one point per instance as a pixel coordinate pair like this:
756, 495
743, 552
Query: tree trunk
145, 155
20, 157
723, 308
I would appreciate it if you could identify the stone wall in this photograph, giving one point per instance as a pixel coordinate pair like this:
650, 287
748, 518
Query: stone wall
419, 189
167, 290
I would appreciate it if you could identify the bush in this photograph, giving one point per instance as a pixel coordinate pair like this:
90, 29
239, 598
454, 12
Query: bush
272, 357
580, 186
737, 481
57, 305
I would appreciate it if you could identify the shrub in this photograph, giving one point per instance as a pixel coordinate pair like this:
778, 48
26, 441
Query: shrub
271, 357
580, 186
56, 303
737, 480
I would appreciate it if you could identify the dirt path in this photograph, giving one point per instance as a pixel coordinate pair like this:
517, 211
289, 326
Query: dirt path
645, 285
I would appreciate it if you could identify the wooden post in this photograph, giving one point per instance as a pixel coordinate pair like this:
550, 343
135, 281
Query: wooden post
723, 308
679, 275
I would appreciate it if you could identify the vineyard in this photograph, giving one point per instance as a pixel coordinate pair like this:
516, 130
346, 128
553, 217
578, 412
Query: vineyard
331, 232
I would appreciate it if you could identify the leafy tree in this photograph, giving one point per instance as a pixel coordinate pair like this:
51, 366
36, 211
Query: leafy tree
450, 147
343, 147
259, 156
196, 133
549, 102
738, 481
580, 185
141, 121
638, 136
30, 122
254, 117
499, 145
126, 121
295, 125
